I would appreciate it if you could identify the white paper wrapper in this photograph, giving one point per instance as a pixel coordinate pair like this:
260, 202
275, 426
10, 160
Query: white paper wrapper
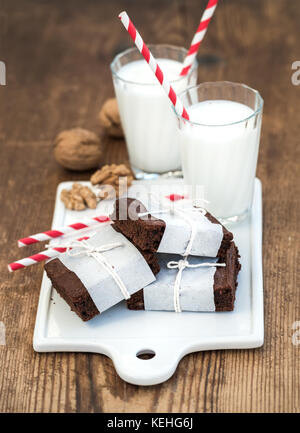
178, 231
196, 293
127, 261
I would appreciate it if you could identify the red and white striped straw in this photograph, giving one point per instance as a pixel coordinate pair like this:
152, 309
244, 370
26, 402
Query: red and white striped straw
199, 35
55, 233
144, 50
40, 257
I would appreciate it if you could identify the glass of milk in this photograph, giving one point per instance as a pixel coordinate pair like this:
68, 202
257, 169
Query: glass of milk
219, 146
147, 117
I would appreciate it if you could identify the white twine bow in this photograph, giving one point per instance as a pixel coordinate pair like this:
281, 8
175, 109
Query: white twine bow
84, 248
181, 265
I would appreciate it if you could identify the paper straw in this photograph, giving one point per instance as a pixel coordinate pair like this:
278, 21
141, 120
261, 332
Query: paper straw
40, 257
199, 35
55, 233
144, 50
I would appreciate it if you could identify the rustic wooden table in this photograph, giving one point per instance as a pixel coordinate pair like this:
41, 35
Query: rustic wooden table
57, 56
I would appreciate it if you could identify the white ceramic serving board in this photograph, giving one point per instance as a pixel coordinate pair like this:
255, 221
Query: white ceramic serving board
121, 334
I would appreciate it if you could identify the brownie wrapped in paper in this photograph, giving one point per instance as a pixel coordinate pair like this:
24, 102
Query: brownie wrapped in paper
169, 227
202, 284
95, 274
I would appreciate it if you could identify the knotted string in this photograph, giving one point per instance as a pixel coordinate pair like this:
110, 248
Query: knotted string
84, 248
181, 265
182, 212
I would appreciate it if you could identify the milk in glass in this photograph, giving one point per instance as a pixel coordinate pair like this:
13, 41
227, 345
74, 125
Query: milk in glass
219, 148
147, 117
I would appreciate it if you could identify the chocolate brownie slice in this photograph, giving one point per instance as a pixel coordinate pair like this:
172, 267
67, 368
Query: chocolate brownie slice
225, 280
146, 233
225, 284
71, 289
227, 237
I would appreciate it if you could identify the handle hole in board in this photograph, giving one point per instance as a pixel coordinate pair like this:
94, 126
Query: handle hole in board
145, 354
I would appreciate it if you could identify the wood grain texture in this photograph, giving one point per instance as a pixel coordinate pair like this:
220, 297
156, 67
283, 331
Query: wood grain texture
57, 56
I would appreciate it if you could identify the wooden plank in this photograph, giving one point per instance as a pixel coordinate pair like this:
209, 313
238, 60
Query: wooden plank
58, 56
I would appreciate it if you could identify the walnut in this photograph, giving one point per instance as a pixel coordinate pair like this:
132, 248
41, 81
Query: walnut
89, 197
77, 149
79, 197
114, 178
109, 118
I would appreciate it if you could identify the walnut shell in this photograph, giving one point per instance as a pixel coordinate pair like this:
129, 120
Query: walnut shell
77, 149
109, 118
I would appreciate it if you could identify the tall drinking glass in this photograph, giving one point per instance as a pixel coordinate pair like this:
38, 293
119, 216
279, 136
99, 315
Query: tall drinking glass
219, 145
146, 114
